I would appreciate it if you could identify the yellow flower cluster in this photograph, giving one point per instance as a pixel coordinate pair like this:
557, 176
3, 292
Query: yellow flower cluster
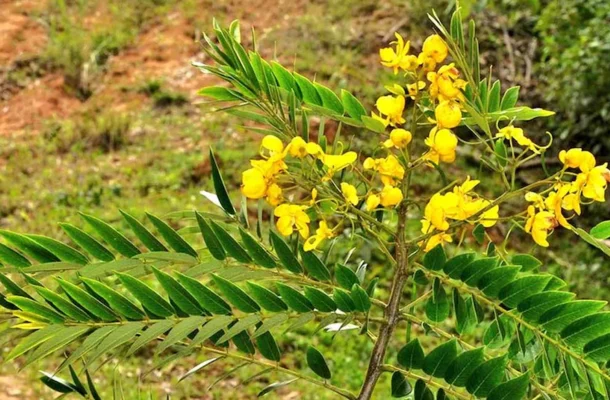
511, 133
546, 213
445, 93
461, 204
391, 172
262, 181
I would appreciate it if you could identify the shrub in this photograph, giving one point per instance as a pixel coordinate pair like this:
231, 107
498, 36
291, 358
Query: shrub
504, 329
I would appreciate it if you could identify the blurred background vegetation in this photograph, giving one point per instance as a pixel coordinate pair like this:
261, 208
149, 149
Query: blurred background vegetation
99, 112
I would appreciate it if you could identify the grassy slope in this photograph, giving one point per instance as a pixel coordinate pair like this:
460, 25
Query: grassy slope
138, 156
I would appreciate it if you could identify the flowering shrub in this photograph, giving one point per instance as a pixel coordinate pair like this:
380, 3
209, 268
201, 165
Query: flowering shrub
506, 332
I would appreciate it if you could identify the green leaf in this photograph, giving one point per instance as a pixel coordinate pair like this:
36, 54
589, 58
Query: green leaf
352, 105
258, 253
178, 294
435, 259
148, 297
308, 90
286, 256
361, 298
317, 363
320, 300
91, 342
372, 124
517, 291
345, 277
219, 186
59, 249
87, 302
314, 266
486, 377
235, 295
33, 340
87, 242
343, 300
11, 257
231, 246
116, 339
411, 356
494, 97
207, 299
111, 236
582, 331
59, 341
181, 331
29, 247
151, 333
218, 93
501, 154
329, 99
56, 383
515, 113
270, 323
142, 233
534, 306
454, 266
493, 281
439, 359
63, 305
592, 241
211, 241
199, 367
422, 392
115, 299
268, 347
274, 386
464, 312
472, 273
172, 258
479, 233
437, 307
598, 349
400, 386
283, 76
12, 287
601, 231
266, 298
525, 261
462, 368
515, 389
172, 238
294, 299
509, 100
241, 325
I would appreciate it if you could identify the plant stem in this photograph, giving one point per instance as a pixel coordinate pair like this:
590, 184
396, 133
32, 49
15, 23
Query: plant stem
392, 311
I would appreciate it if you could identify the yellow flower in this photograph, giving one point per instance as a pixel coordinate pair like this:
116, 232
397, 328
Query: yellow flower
390, 196
442, 145
490, 217
435, 240
254, 184
372, 202
399, 138
272, 144
314, 196
297, 147
414, 88
577, 158
554, 203
314, 149
435, 48
445, 84
292, 217
392, 107
539, 224
535, 198
448, 114
349, 193
510, 132
595, 183
322, 233
274, 195
398, 58
389, 169
336, 162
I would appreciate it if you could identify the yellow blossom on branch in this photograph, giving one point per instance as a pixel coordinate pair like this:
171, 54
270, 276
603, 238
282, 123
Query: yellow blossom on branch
511, 133
389, 169
292, 217
349, 193
399, 138
442, 144
539, 223
399, 57
390, 109
448, 114
322, 233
